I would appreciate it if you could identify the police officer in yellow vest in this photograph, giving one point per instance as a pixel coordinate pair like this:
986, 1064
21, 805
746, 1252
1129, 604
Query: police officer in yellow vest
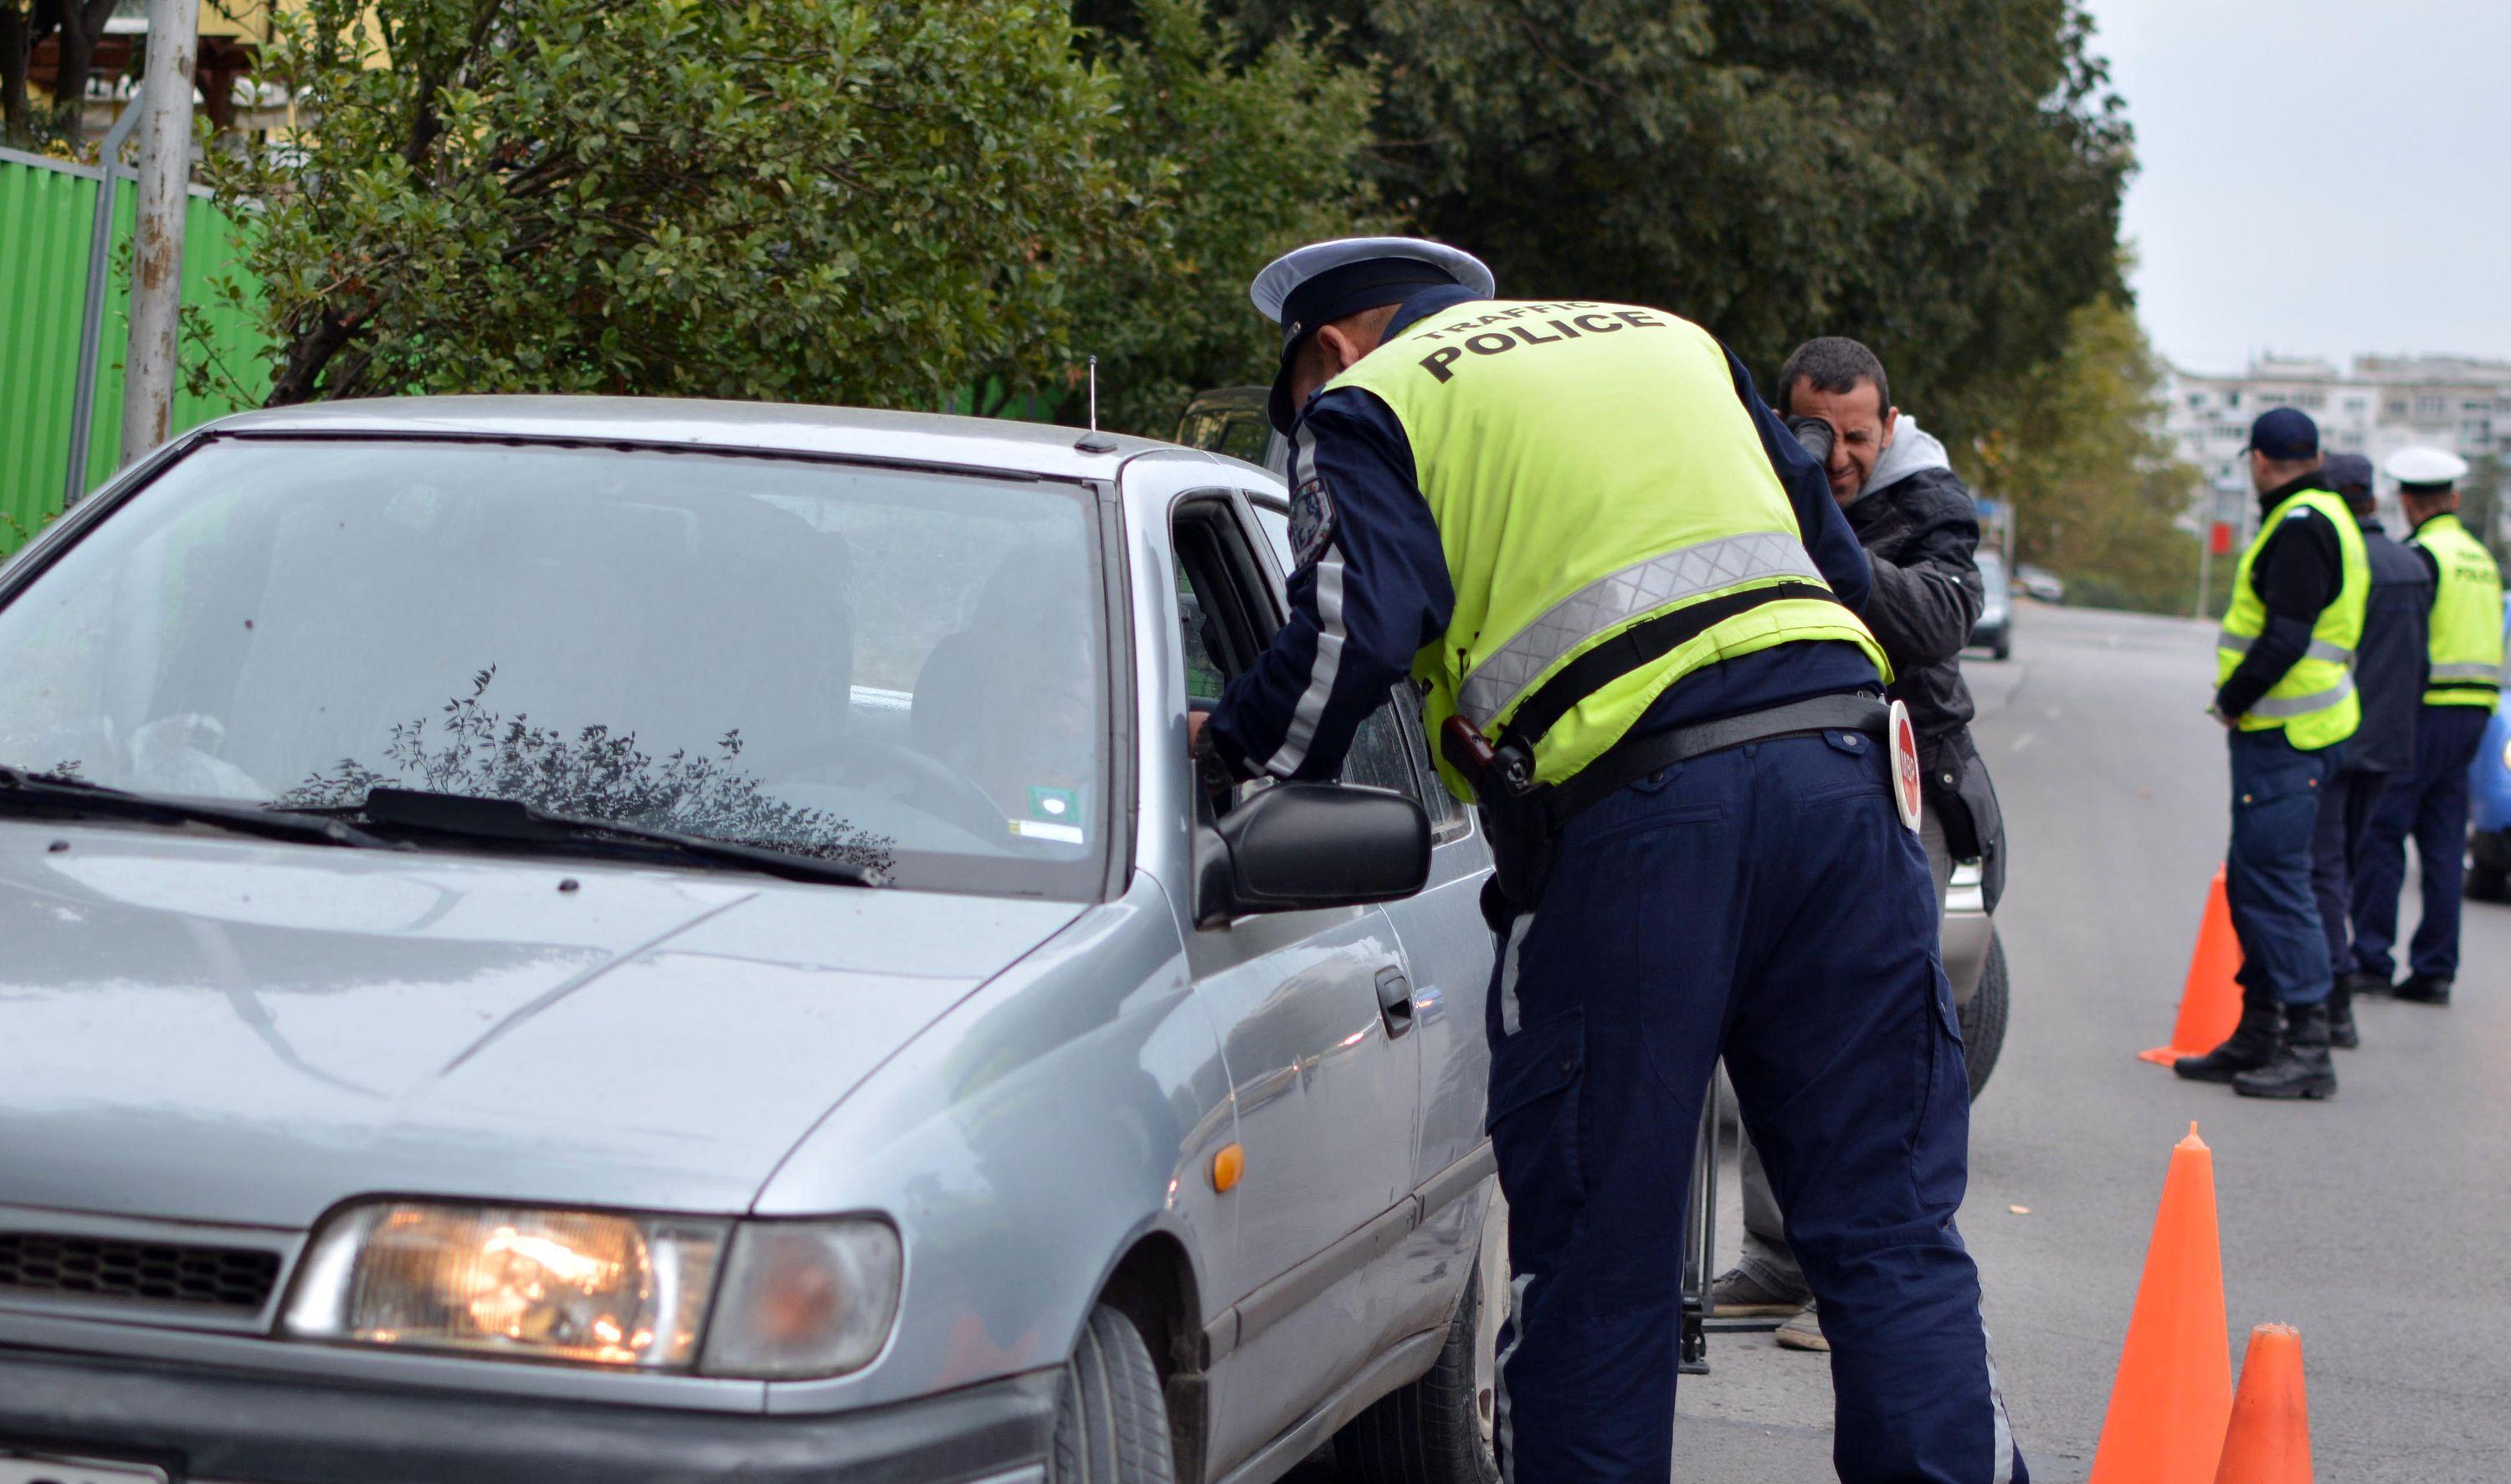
2285, 690
1630, 603
2459, 698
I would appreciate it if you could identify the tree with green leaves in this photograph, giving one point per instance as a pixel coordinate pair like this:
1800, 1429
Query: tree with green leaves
832, 199
1233, 163
1941, 181
75, 27
2098, 493
876, 202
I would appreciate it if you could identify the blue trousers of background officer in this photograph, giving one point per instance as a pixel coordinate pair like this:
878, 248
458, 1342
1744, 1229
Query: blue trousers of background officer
2431, 805
2345, 805
2266, 873
1765, 899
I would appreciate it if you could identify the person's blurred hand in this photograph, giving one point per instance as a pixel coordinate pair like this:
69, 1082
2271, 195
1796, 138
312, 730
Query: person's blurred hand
1194, 720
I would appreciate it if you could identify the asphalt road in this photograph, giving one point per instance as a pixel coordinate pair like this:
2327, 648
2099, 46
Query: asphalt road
2377, 1222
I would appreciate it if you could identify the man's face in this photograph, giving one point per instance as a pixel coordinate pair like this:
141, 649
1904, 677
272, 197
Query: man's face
1861, 429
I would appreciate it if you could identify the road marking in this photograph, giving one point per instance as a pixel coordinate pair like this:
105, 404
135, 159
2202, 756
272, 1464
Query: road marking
2022, 742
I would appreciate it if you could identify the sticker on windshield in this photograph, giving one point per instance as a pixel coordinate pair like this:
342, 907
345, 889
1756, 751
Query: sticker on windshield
1313, 520
1052, 804
1040, 829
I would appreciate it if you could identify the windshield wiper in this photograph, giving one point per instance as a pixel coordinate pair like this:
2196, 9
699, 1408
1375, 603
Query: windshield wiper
22, 792
470, 817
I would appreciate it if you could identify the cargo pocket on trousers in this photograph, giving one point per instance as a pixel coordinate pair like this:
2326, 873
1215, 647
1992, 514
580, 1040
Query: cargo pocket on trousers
1536, 1076
1940, 1143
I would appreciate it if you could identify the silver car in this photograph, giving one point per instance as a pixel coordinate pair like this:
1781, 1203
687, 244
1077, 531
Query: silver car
573, 940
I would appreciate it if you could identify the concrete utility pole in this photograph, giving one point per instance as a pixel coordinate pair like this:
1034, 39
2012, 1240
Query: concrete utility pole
157, 239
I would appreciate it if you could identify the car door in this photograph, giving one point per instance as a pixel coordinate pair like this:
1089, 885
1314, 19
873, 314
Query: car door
1448, 952
1326, 1079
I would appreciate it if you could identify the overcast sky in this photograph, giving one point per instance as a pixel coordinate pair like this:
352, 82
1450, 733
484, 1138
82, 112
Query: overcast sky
2319, 176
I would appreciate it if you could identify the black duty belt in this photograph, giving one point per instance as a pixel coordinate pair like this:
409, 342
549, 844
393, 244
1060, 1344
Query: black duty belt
1635, 757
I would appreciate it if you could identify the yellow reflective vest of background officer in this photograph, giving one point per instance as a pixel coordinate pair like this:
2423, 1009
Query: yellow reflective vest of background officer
2315, 702
1660, 520
2466, 616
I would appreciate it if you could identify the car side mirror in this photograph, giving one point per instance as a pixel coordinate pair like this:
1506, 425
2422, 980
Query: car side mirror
1295, 846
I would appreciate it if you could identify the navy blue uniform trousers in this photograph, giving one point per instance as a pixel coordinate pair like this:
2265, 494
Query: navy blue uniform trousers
2430, 804
2336, 844
1765, 901
2266, 873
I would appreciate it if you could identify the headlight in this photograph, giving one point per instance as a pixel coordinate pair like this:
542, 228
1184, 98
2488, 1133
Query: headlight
602, 1289
580, 1286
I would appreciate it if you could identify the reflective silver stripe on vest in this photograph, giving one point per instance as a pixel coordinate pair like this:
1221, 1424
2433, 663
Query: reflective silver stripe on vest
1501, 680
2465, 673
2318, 648
2286, 707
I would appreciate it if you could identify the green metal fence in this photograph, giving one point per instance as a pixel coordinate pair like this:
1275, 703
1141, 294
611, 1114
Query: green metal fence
47, 212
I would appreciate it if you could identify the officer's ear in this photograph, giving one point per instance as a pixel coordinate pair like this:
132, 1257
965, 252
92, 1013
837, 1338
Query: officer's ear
1340, 349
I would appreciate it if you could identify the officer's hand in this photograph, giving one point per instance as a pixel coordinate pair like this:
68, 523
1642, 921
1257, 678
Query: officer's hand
1194, 720
2216, 712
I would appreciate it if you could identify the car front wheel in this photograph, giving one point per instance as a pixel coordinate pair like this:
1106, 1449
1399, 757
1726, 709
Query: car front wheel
1439, 1429
1111, 1424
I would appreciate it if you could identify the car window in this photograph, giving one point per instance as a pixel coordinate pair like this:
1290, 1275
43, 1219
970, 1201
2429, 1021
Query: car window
829, 659
1382, 754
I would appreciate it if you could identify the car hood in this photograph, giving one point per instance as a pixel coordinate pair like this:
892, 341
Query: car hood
203, 1028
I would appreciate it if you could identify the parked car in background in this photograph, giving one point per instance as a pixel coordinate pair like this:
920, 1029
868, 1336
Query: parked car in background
2488, 845
2041, 583
559, 941
1994, 630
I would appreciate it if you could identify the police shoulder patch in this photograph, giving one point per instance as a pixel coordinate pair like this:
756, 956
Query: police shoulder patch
1312, 522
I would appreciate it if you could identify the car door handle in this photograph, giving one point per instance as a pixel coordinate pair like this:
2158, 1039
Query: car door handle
1395, 1002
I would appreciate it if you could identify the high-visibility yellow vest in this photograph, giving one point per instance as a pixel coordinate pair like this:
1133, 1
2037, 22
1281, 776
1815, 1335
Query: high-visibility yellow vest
1593, 474
2315, 702
2466, 616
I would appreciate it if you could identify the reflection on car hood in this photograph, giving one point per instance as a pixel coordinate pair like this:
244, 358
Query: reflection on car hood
212, 1029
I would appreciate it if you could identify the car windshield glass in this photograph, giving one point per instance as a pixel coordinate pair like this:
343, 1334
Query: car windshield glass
897, 668
1992, 571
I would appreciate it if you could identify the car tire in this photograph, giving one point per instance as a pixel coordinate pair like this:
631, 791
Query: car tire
2004, 646
2488, 883
1983, 1020
1111, 1424
1438, 1430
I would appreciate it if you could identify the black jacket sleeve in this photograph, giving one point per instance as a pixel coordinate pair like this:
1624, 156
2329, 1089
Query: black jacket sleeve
2299, 573
1926, 601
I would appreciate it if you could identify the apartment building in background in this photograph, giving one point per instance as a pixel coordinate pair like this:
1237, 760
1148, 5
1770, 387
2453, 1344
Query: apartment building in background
2381, 405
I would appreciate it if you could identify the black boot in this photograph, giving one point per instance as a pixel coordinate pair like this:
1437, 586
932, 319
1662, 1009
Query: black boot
2340, 1017
2365, 983
2424, 990
2251, 1045
2300, 1068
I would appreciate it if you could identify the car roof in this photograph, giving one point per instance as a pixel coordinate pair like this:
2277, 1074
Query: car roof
923, 437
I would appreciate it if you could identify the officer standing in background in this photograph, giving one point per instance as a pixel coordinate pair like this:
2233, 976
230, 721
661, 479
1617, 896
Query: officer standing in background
1603, 558
2459, 697
2285, 693
1915, 518
2390, 671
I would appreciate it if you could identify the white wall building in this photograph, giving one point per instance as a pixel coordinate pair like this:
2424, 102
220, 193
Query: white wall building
2384, 404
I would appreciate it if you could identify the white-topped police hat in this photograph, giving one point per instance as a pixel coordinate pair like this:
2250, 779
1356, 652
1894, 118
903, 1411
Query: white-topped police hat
2432, 467
1325, 281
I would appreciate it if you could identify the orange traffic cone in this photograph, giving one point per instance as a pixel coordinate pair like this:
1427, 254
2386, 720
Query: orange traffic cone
2269, 1439
2210, 1002
2173, 1392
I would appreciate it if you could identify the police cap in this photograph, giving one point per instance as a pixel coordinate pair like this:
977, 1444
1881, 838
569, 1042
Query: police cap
2285, 434
2347, 473
2422, 470
1326, 281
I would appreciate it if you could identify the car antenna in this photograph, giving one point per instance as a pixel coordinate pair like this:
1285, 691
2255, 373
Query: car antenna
1094, 441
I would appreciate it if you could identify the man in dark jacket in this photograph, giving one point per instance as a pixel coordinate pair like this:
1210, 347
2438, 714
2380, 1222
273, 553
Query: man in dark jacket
2389, 669
1915, 518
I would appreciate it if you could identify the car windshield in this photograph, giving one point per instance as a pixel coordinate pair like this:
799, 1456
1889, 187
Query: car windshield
1991, 572
903, 669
